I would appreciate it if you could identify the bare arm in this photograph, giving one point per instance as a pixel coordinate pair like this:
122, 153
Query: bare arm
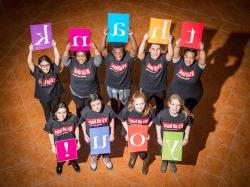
158, 131
169, 55
56, 53
133, 50
112, 130
84, 129
141, 52
51, 139
77, 138
98, 57
177, 49
187, 130
30, 59
202, 55
65, 56
104, 49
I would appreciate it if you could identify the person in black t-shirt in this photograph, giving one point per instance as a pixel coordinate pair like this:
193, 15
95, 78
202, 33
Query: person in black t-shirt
83, 72
62, 126
174, 118
153, 77
187, 73
118, 64
95, 115
137, 112
48, 88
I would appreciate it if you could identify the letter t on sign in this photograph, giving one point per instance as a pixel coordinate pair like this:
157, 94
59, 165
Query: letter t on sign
79, 39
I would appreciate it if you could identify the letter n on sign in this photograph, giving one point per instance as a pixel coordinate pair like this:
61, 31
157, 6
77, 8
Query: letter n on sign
66, 150
41, 36
191, 34
79, 39
137, 138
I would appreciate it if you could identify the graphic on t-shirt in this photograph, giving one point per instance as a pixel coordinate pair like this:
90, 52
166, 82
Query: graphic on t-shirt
46, 82
172, 126
185, 74
153, 68
81, 72
97, 121
63, 130
138, 121
118, 68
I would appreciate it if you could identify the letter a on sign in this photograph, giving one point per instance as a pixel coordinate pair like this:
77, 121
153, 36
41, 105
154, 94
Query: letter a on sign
159, 30
137, 138
172, 146
41, 36
191, 34
99, 140
79, 39
66, 150
118, 27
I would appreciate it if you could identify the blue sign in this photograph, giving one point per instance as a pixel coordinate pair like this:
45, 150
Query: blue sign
99, 140
118, 27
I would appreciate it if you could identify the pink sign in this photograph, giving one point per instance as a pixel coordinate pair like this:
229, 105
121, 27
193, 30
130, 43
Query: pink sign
191, 34
41, 36
66, 150
79, 39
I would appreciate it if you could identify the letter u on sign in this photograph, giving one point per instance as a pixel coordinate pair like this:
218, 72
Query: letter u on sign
79, 39
137, 138
191, 34
99, 140
41, 36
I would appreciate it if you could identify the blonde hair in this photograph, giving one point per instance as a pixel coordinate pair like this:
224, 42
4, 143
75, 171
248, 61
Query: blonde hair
131, 105
183, 108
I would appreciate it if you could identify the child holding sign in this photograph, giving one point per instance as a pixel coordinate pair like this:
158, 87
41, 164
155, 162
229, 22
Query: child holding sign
62, 125
154, 71
96, 115
174, 118
187, 73
83, 71
137, 112
48, 88
118, 69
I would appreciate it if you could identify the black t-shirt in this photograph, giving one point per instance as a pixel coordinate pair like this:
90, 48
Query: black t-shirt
186, 80
154, 73
62, 130
170, 123
83, 77
118, 73
134, 117
47, 85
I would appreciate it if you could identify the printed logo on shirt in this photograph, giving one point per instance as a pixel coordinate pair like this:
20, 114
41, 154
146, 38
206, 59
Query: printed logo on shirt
118, 68
81, 72
153, 69
172, 126
138, 121
63, 130
46, 82
185, 75
97, 121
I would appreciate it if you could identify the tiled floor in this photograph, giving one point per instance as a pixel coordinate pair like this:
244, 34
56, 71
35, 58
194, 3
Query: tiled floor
218, 152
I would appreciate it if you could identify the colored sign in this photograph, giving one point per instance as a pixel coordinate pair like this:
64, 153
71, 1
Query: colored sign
99, 140
41, 36
191, 34
159, 30
137, 138
79, 39
66, 150
118, 27
172, 146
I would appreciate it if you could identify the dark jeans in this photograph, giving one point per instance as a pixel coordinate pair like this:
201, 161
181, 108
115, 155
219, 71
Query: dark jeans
80, 104
70, 162
142, 155
48, 105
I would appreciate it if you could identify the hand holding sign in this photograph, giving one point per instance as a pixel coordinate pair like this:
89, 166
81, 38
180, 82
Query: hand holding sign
79, 39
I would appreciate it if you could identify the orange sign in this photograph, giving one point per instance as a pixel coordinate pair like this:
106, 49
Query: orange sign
137, 138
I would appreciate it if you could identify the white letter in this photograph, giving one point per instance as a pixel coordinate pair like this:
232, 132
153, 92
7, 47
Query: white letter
192, 36
173, 149
84, 42
45, 37
163, 35
103, 142
116, 30
143, 139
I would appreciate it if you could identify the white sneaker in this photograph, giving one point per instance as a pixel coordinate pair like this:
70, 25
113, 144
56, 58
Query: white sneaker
93, 164
108, 163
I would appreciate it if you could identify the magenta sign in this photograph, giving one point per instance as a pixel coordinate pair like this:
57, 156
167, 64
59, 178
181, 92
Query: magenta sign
79, 39
66, 150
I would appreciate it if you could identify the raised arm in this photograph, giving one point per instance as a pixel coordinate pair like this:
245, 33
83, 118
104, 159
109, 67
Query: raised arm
141, 52
177, 49
65, 56
169, 55
98, 57
56, 53
202, 55
30, 59
104, 49
133, 50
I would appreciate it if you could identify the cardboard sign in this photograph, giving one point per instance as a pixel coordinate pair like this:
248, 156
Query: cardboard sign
79, 39
66, 150
172, 146
41, 36
118, 27
137, 138
159, 30
99, 140
191, 34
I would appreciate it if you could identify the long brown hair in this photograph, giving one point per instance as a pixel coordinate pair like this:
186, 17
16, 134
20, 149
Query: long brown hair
137, 95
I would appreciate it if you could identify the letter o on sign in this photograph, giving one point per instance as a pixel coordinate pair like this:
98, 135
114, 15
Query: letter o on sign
132, 142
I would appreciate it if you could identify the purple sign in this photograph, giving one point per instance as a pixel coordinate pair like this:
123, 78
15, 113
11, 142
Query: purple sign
66, 150
41, 36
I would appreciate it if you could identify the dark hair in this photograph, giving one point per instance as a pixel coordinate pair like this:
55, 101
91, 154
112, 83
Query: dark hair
45, 58
57, 107
93, 97
191, 50
87, 54
117, 45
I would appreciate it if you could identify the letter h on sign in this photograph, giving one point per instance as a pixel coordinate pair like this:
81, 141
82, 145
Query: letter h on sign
41, 36
79, 39
137, 138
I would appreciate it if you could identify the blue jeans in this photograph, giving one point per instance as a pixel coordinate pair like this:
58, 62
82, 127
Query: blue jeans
121, 95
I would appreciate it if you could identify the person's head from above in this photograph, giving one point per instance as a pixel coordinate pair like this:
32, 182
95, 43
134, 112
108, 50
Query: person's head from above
138, 102
60, 111
118, 50
189, 56
82, 56
95, 102
175, 104
44, 63
155, 51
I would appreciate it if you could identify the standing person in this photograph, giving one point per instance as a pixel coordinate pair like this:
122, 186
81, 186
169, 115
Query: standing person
187, 73
137, 112
174, 118
118, 64
48, 88
153, 77
62, 125
83, 72
95, 115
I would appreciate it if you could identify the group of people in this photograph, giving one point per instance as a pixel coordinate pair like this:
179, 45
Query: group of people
184, 93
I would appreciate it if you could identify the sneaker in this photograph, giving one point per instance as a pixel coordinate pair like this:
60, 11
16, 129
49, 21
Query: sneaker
164, 165
59, 169
93, 164
108, 163
76, 167
131, 162
173, 167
